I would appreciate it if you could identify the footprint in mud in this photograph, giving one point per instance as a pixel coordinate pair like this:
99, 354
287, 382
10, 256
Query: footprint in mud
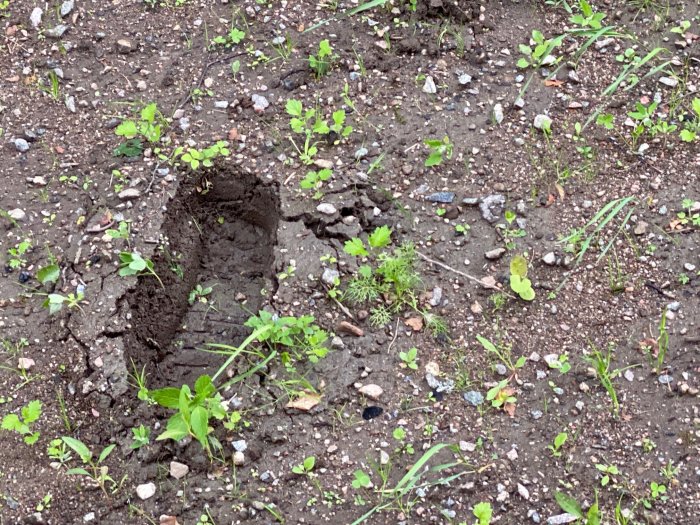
216, 259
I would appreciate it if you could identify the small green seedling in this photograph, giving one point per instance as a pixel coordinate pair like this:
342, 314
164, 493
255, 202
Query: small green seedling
571, 506
483, 512
519, 282
148, 127
501, 395
205, 157
22, 424
97, 472
314, 181
306, 467
562, 363
587, 17
399, 434
141, 437
199, 294
48, 274
132, 263
233, 37
55, 301
439, 150
322, 61
608, 471
503, 352
559, 441
361, 480
58, 451
123, 231
540, 54
409, 358
16, 254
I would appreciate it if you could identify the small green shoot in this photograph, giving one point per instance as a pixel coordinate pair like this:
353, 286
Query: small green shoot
22, 424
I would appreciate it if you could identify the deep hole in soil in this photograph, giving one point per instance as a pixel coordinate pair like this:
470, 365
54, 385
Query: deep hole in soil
219, 233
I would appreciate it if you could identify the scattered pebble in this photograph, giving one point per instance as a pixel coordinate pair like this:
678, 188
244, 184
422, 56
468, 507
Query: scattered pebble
445, 197
498, 115
473, 397
21, 145
35, 17
492, 207
495, 254
429, 86
145, 491
326, 208
372, 391
549, 259
542, 122
67, 7
178, 470
260, 103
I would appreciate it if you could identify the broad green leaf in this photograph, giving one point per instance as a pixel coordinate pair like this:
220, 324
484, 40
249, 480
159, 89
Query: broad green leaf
483, 512
294, 107
48, 274
696, 106
32, 411
199, 421
518, 266
687, 135
127, 129
203, 385
569, 504
77, 472
176, 429
309, 463
355, 247
167, 397
105, 452
31, 438
380, 237
11, 422
148, 113
525, 50
236, 35
523, 63
434, 159
79, 448
184, 403
488, 345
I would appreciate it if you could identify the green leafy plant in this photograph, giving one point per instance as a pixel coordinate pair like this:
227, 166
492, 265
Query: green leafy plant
230, 39
132, 263
361, 480
503, 353
16, 254
501, 395
314, 181
322, 61
608, 471
409, 358
519, 282
57, 450
399, 434
148, 127
305, 467
691, 123
559, 441
587, 17
123, 231
202, 157
570, 505
483, 512
55, 301
194, 410
539, 52
22, 424
440, 149
509, 231
199, 294
141, 437
94, 468
312, 124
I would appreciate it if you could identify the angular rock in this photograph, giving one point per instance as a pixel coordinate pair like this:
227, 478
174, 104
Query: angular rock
17, 214
145, 491
495, 254
67, 7
21, 145
260, 103
429, 86
124, 46
56, 32
492, 207
549, 259
326, 208
542, 122
35, 17
178, 470
129, 193
445, 197
330, 276
372, 391
498, 115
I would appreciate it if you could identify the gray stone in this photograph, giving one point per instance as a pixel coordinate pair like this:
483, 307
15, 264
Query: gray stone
57, 32
17, 214
129, 193
573, 76
501, 369
524, 493
436, 297
542, 122
70, 103
561, 519
429, 86
445, 197
470, 201
473, 397
492, 207
178, 470
689, 267
668, 81
519, 103
674, 306
145, 491
330, 276
665, 379
549, 259
326, 208
240, 445
238, 458
124, 46
67, 7
498, 115
536, 414
35, 17
260, 103
90, 516
663, 210
21, 145
221, 104
361, 153
495, 254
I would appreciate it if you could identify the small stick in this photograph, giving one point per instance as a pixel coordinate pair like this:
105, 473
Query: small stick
466, 275
396, 333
